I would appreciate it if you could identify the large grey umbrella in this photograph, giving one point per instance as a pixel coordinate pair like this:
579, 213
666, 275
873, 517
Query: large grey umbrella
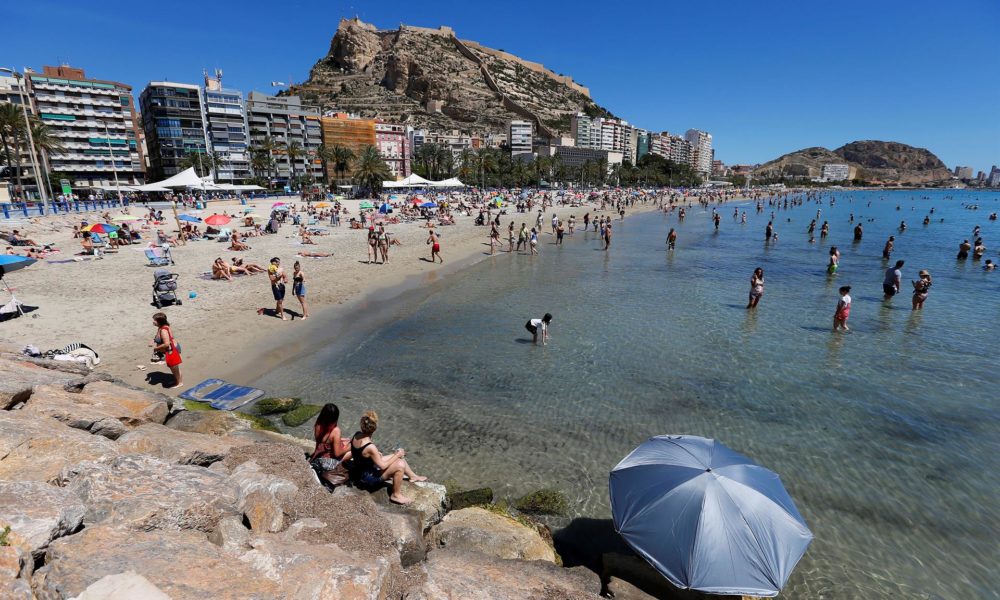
706, 517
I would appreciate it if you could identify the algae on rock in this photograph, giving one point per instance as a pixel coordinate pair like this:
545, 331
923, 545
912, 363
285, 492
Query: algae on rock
300, 415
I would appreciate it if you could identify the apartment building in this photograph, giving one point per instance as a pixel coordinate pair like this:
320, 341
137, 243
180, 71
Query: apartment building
520, 137
224, 112
172, 121
285, 120
394, 146
701, 150
96, 125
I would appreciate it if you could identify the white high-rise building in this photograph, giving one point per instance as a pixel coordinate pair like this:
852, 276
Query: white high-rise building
520, 137
224, 113
581, 127
701, 150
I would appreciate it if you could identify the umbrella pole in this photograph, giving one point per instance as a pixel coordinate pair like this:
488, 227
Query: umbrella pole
17, 304
177, 219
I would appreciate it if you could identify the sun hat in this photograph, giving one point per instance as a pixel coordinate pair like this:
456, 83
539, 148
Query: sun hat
925, 273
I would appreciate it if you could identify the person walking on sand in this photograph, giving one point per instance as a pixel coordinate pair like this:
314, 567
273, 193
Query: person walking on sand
921, 287
522, 236
671, 239
560, 232
539, 326
165, 344
433, 240
756, 287
299, 287
891, 281
278, 280
843, 311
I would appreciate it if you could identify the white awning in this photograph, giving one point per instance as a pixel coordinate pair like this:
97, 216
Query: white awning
412, 180
185, 179
452, 182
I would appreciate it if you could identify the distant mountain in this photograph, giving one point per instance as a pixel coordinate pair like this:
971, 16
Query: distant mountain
869, 160
430, 78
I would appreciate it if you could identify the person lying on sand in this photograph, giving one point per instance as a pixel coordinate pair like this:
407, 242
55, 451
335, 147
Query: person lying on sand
307, 254
250, 268
221, 270
17, 240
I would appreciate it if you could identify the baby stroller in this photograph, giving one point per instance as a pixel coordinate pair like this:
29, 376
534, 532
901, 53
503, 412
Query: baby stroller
165, 288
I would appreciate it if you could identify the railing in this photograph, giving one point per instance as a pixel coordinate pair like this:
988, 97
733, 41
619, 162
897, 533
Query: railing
27, 209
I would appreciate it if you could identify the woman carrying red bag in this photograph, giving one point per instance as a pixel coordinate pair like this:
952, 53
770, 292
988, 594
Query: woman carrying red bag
165, 343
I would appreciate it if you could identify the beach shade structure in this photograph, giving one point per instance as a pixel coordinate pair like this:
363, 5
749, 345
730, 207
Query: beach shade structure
100, 228
216, 220
706, 517
277, 204
280, 208
189, 218
9, 263
428, 205
321, 204
367, 204
385, 209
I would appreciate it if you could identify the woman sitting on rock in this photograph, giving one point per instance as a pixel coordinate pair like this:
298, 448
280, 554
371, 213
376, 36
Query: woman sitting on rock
370, 467
331, 449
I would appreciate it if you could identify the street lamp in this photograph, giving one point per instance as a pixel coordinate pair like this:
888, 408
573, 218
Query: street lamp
114, 167
31, 141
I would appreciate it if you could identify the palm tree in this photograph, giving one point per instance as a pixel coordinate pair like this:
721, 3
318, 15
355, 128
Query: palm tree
216, 160
11, 132
487, 164
467, 164
263, 157
294, 151
201, 162
342, 158
46, 142
324, 154
370, 170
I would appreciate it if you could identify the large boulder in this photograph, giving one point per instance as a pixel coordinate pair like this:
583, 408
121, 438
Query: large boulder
262, 496
19, 378
144, 493
15, 568
101, 408
38, 513
176, 446
480, 530
475, 576
184, 565
429, 501
37, 448
123, 586
408, 535
317, 571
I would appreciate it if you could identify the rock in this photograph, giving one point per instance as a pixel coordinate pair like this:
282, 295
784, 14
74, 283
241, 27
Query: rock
210, 422
262, 496
428, 501
18, 378
37, 448
624, 590
123, 586
272, 406
292, 533
175, 446
640, 575
39, 513
250, 436
475, 576
480, 530
477, 497
102, 408
15, 568
542, 502
300, 415
184, 565
231, 535
317, 571
408, 534
144, 493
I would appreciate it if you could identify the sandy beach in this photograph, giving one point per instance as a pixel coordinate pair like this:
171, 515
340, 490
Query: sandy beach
107, 303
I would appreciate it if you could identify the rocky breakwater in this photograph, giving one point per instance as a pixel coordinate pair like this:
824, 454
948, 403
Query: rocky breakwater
107, 491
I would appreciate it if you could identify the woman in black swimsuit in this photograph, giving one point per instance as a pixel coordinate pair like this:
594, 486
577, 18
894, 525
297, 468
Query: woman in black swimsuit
371, 467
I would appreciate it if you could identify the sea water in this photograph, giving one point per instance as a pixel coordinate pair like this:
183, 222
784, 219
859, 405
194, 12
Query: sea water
887, 437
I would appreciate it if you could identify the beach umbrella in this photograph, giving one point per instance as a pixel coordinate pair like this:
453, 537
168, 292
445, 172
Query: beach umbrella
189, 218
124, 218
321, 204
367, 204
280, 208
428, 205
14, 262
706, 517
100, 228
276, 204
215, 220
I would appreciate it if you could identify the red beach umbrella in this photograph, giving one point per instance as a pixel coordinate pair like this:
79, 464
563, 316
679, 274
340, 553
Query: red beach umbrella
217, 220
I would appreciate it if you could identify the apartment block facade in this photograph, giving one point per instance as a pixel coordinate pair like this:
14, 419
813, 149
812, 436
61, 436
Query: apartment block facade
701, 150
520, 137
95, 123
285, 120
172, 121
224, 111
394, 146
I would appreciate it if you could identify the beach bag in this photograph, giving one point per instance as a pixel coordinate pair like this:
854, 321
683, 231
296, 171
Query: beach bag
338, 475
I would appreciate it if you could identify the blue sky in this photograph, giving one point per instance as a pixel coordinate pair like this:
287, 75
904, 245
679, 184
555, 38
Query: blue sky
764, 77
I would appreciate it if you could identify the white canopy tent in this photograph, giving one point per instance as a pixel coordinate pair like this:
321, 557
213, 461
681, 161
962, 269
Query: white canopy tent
185, 179
413, 180
451, 182
151, 187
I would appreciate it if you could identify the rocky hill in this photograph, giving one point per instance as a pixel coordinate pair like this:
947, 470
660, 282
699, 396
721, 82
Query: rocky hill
869, 160
430, 78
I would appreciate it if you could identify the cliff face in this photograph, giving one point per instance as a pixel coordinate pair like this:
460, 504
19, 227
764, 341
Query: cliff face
430, 78
889, 162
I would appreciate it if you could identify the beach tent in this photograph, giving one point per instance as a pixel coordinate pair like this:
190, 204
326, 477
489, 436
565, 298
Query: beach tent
151, 187
185, 179
385, 208
706, 517
412, 180
451, 182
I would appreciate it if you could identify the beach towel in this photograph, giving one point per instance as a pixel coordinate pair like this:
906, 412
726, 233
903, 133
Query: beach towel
222, 395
